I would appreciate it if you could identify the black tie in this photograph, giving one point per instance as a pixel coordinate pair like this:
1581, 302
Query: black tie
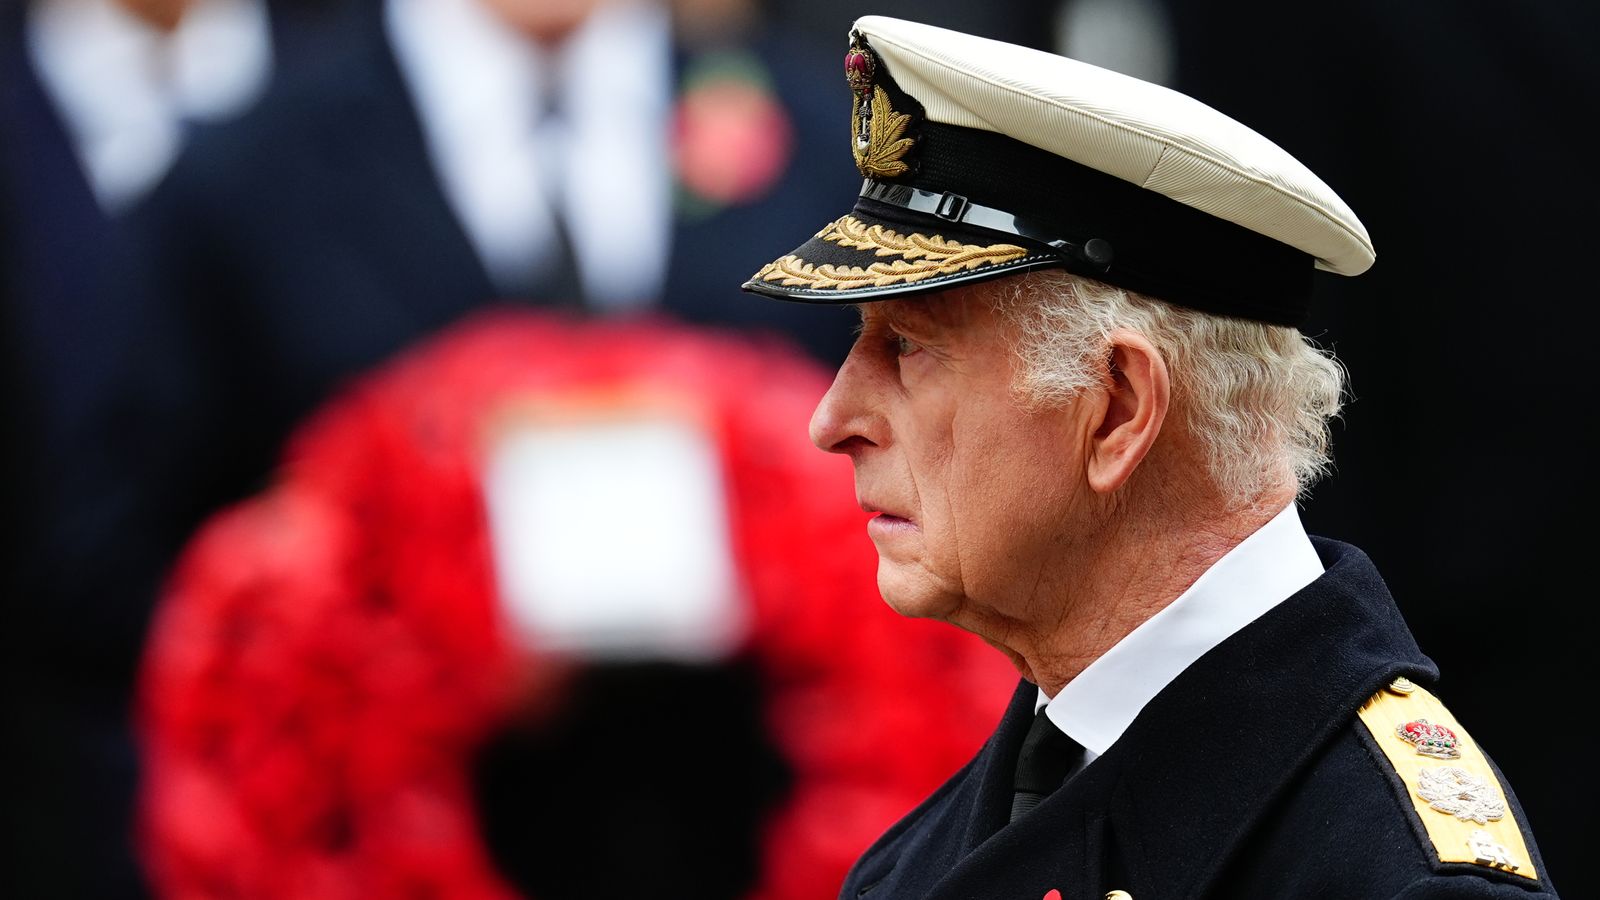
557, 280
1048, 756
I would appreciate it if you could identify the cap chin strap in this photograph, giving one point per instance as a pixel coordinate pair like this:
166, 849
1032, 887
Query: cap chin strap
1093, 254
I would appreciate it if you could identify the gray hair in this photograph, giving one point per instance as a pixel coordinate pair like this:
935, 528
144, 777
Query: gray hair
1257, 397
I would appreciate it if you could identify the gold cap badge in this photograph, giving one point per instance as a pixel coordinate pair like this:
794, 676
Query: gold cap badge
879, 140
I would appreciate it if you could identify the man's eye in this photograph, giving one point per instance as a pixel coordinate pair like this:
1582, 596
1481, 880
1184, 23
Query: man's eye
904, 346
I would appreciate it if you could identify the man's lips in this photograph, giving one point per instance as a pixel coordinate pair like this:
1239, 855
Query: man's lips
885, 519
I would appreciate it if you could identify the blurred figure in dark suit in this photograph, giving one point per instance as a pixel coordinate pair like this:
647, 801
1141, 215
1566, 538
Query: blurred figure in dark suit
96, 101
445, 154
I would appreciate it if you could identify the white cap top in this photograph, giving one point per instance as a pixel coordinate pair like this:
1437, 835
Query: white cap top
1142, 133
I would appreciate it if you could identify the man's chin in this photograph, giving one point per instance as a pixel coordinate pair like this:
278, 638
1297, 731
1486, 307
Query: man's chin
908, 591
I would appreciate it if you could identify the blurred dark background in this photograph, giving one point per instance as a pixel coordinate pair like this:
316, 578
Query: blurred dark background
164, 331
1462, 460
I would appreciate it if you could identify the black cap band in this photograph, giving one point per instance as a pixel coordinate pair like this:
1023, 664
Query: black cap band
1093, 254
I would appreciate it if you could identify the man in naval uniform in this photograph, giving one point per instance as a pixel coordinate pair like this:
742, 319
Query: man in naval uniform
1082, 412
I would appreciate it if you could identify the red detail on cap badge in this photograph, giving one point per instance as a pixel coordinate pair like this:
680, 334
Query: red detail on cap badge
1432, 740
1053, 895
859, 68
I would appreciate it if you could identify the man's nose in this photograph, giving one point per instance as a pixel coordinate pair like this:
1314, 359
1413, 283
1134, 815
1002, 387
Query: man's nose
844, 421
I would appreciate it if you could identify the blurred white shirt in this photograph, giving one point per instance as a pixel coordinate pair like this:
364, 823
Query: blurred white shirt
602, 164
124, 89
1266, 568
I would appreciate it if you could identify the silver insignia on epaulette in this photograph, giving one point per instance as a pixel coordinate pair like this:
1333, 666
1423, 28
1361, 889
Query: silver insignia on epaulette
1453, 790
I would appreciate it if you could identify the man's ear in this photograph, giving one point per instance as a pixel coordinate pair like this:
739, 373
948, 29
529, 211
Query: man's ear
1137, 393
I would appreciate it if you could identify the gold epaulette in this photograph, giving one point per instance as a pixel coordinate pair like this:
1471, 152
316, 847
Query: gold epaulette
1456, 793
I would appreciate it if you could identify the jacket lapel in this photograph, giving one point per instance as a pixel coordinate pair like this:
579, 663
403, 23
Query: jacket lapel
995, 768
391, 203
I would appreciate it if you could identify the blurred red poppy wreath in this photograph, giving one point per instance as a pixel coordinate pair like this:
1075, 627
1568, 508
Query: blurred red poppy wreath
330, 656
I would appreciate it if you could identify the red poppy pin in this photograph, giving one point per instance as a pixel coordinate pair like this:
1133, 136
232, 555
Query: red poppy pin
732, 139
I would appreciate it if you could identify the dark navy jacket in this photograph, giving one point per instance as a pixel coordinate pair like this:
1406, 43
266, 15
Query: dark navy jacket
1248, 776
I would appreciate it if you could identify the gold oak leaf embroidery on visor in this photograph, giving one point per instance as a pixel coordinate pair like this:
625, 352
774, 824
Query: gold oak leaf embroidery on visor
886, 143
933, 255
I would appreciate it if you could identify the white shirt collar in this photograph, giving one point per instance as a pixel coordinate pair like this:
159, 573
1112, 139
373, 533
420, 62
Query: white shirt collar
1265, 569
604, 165
123, 88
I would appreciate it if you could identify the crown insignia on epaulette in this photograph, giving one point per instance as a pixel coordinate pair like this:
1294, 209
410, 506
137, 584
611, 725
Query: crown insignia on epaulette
1432, 740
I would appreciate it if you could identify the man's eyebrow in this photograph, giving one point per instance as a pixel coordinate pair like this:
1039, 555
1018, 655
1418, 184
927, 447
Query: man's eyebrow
941, 313
881, 313
924, 316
